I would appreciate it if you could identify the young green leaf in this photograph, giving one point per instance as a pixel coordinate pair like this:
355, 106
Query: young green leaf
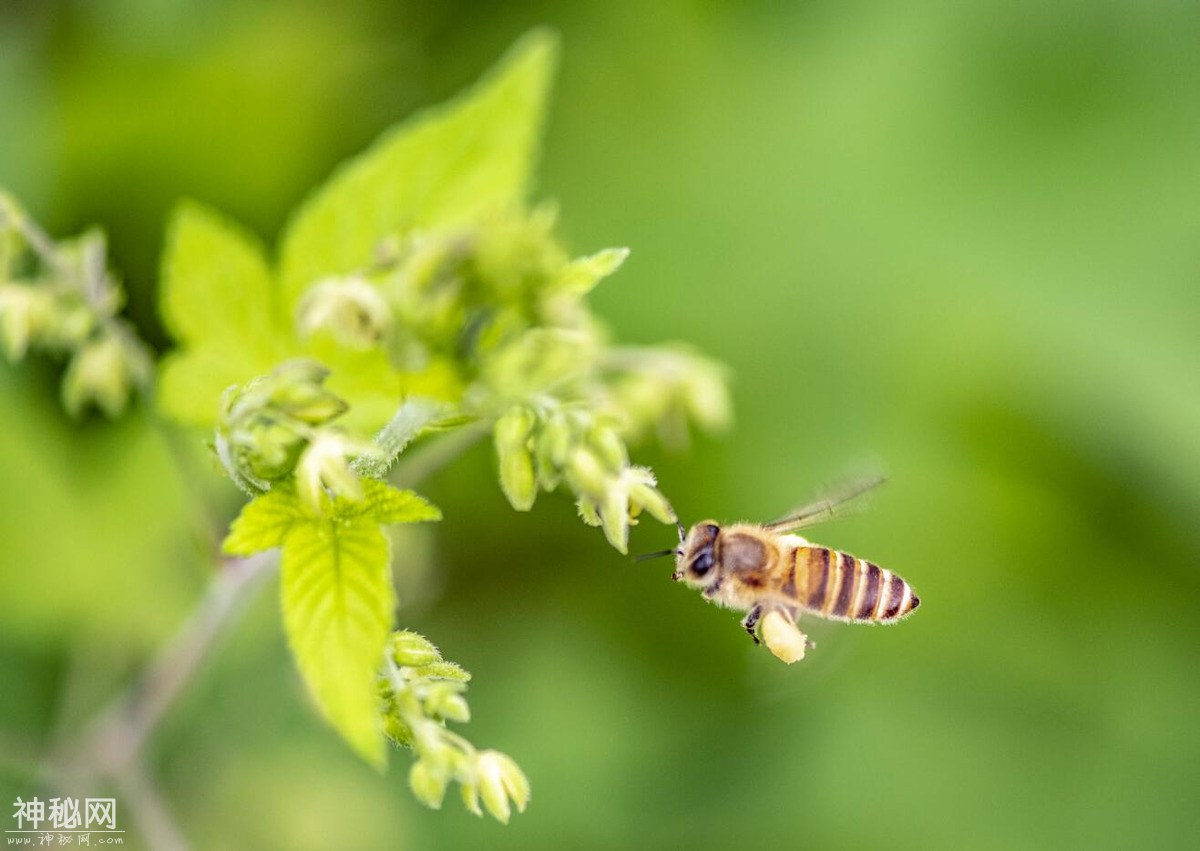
337, 593
581, 275
218, 301
265, 521
439, 168
337, 612
385, 504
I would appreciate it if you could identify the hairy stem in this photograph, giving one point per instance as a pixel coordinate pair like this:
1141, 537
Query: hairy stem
426, 460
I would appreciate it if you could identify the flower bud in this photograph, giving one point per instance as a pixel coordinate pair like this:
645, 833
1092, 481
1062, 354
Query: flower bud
24, 313
274, 447
643, 400
609, 447
516, 784
412, 650
265, 425
491, 789
706, 394
514, 428
454, 708
69, 324
589, 512
539, 359
614, 516
396, 730
324, 467
353, 311
517, 478
511, 436
586, 474
442, 670
554, 440
499, 780
427, 784
428, 256
470, 796
295, 389
644, 494
308, 403
105, 372
782, 637
445, 699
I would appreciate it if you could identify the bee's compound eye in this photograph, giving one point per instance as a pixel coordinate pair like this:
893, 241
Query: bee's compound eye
703, 563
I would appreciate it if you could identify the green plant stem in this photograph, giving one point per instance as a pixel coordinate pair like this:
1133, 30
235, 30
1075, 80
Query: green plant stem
432, 456
38, 240
116, 737
141, 794
112, 744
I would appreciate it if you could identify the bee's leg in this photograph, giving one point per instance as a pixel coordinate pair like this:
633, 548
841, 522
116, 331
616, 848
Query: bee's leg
795, 615
750, 621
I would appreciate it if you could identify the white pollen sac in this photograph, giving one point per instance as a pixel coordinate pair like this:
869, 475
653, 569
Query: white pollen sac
783, 638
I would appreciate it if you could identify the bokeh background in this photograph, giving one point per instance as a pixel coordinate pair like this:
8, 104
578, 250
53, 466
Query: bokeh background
963, 239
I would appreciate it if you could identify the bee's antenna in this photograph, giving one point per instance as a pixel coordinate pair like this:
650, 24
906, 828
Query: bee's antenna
682, 531
658, 554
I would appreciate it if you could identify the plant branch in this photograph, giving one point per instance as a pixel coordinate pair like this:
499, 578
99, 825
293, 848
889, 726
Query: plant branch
37, 239
112, 744
114, 740
149, 811
427, 459
118, 734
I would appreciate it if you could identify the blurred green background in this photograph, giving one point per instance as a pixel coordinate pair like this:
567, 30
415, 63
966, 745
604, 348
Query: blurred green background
963, 239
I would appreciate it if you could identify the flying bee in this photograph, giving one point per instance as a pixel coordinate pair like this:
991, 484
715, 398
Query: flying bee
762, 568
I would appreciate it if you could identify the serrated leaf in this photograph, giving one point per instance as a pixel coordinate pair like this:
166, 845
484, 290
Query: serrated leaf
581, 275
218, 300
337, 612
438, 168
385, 504
265, 521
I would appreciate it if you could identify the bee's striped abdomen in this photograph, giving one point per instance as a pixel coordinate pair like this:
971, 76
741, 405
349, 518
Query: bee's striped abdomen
848, 588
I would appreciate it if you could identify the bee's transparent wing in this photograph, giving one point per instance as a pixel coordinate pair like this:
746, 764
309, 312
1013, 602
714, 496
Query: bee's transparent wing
837, 501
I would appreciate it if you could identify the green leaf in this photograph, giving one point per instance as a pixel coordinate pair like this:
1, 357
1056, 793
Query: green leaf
265, 521
439, 168
219, 302
414, 416
385, 504
337, 594
337, 612
581, 275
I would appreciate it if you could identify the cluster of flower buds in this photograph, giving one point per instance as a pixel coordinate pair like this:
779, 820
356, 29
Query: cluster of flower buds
664, 388
59, 297
459, 294
501, 305
420, 693
552, 443
279, 424
351, 309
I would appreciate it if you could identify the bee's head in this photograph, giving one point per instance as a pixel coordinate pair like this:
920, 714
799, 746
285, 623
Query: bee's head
696, 558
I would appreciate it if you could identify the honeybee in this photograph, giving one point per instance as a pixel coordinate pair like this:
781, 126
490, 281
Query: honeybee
762, 568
